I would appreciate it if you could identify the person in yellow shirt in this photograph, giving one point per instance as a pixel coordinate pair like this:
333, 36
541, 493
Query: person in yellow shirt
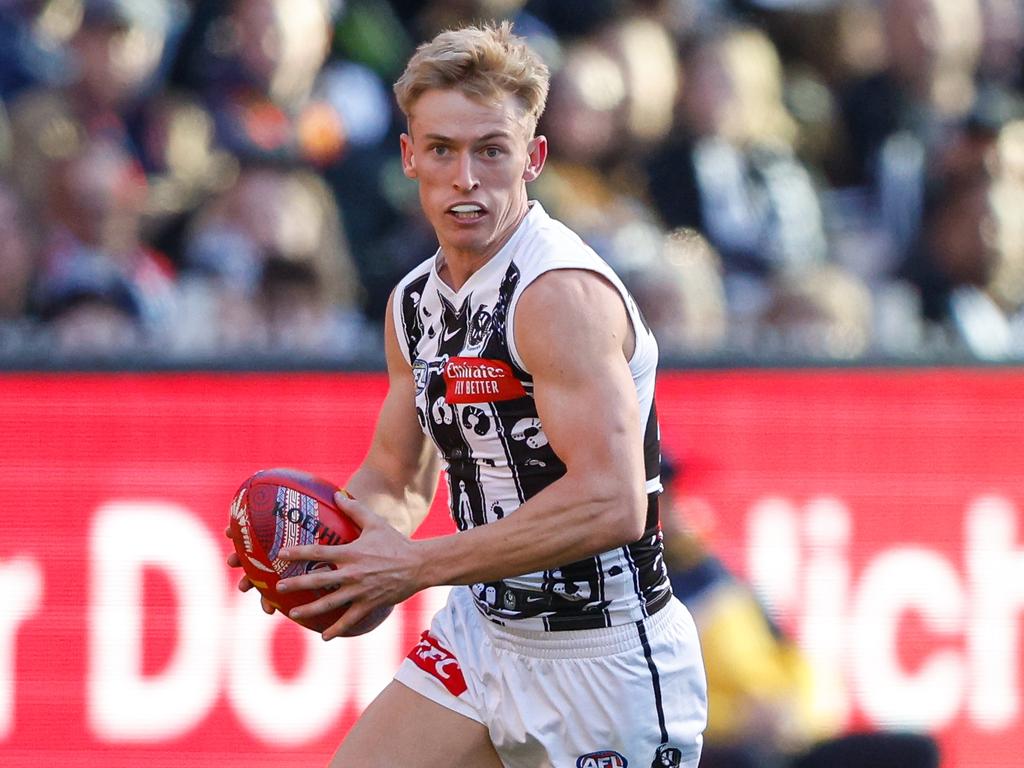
760, 685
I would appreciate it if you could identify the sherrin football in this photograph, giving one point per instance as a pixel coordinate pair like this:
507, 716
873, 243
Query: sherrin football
279, 508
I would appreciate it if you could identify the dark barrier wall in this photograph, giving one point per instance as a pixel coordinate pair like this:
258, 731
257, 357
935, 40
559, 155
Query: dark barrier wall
876, 511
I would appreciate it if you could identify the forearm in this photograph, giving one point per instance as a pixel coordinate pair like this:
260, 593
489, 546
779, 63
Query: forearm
403, 506
569, 520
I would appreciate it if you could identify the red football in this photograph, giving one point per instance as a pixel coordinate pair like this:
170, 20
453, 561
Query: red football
278, 508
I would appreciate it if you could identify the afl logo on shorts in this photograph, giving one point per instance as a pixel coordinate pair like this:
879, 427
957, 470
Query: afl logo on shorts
605, 759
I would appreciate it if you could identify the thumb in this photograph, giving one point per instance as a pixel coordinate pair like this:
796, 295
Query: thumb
356, 512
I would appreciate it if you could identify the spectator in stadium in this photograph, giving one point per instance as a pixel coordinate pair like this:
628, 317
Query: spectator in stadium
30, 52
91, 310
298, 315
113, 56
183, 163
679, 289
824, 312
1007, 285
277, 92
120, 51
613, 94
734, 174
270, 212
647, 56
971, 265
92, 222
897, 119
933, 48
760, 685
117, 57
259, 71
594, 186
183, 87
588, 93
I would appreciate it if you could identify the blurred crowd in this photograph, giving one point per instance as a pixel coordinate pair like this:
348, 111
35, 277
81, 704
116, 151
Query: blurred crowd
831, 179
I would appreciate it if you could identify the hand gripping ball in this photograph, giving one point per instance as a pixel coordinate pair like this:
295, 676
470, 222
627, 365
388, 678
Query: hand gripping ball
278, 508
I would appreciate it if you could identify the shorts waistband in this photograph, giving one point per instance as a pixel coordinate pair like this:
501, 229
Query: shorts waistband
577, 643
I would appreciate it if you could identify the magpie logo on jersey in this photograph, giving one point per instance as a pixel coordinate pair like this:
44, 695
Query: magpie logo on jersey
667, 757
603, 759
479, 326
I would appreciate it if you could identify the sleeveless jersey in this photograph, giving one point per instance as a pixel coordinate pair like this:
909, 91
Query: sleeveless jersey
474, 400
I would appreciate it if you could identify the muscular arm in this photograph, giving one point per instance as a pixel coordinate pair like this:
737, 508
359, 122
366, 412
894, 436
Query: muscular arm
573, 334
398, 476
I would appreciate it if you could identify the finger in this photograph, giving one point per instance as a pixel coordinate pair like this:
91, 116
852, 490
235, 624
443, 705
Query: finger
356, 512
343, 626
268, 607
328, 578
244, 585
316, 552
234, 560
329, 602
227, 532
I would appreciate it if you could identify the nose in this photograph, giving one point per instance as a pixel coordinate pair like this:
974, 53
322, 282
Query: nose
465, 176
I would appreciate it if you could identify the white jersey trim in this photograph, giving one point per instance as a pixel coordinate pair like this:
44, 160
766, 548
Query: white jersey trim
423, 268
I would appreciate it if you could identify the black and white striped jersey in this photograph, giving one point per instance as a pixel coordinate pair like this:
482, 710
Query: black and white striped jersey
474, 399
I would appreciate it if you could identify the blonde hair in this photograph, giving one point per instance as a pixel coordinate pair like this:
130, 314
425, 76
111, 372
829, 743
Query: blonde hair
483, 62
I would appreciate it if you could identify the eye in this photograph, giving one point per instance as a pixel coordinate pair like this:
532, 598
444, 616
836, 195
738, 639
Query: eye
492, 152
439, 150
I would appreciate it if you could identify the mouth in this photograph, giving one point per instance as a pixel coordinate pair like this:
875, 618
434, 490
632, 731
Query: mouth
467, 212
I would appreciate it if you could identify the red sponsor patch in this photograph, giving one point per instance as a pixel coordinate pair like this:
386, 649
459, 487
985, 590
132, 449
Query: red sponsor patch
477, 380
429, 656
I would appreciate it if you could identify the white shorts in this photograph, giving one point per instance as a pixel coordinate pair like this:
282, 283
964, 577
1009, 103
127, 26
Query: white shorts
633, 695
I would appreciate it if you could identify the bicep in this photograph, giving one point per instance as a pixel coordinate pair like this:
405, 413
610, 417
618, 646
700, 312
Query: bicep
571, 330
590, 416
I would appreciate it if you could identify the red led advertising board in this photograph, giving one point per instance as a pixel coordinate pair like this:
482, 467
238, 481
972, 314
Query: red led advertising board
877, 512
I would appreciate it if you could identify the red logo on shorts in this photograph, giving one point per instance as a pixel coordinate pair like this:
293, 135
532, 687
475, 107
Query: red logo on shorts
429, 656
478, 380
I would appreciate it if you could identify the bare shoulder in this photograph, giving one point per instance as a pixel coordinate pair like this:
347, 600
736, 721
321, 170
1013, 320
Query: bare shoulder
570, 310
570, 290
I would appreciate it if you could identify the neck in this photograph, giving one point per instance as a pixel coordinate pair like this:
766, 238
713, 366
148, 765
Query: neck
458, 265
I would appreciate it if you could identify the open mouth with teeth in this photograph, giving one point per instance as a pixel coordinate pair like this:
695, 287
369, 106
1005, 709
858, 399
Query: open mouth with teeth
466, 212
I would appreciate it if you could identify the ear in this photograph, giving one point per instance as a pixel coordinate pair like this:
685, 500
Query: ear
537, 155
408, 156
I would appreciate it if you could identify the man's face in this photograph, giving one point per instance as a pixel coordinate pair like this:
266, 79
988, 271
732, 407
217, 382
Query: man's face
472, 161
